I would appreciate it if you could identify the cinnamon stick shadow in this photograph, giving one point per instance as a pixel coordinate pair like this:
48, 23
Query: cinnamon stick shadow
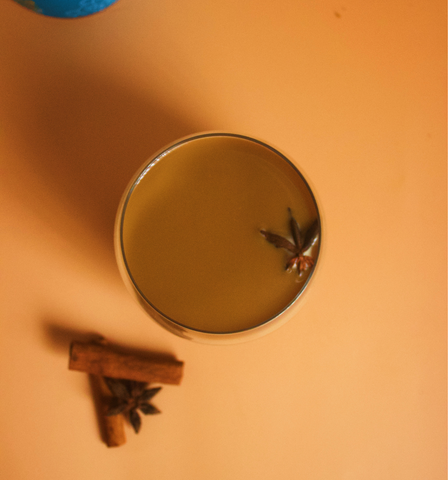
60, 337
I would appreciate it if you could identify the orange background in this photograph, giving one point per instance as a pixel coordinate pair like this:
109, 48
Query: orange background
354, 386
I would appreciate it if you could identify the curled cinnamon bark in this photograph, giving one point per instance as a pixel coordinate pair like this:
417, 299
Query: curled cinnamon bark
104, 360
100, 360
111, 427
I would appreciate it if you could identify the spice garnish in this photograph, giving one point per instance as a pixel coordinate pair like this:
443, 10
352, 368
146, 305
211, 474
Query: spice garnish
129, 396
301, 244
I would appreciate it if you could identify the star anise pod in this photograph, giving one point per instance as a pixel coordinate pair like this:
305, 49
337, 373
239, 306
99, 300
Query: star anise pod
129, 396
302, 243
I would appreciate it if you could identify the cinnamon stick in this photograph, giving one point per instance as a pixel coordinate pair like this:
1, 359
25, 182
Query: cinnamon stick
104, 360
114, 435
111, 427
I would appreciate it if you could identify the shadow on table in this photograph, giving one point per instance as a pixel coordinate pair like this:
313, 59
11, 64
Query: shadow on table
89, 136
59, 338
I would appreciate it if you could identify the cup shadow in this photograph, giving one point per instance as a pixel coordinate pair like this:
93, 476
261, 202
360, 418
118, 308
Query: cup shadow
89, 136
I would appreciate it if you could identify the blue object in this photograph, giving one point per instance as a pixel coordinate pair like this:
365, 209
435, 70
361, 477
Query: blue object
66, 8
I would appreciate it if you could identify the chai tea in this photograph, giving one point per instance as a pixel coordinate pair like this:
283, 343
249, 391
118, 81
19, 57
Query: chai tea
190, 233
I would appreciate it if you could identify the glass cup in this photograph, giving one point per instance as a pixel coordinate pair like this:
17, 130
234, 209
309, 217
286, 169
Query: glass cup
218, 236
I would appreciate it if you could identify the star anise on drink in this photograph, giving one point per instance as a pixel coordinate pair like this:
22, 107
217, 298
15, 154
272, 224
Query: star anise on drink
302, 243
129, 397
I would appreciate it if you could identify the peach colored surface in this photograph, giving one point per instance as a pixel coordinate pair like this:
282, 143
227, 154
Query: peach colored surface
354, 386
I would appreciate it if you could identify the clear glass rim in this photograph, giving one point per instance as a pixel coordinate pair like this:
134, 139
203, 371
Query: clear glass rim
140, 174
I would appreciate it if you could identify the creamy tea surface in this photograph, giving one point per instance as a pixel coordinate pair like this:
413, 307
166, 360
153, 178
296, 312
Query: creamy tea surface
190, 233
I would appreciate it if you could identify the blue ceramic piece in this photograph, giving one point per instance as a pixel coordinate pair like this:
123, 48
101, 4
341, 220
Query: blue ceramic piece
66, 8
